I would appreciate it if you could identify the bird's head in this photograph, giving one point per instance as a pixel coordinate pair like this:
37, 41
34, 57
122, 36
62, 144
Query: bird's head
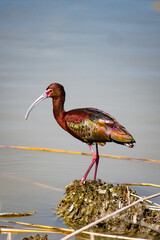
54, 90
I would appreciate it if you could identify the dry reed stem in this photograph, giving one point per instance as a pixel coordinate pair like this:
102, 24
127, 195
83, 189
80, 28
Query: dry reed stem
9, 237
6, 215
44, 227
151, 205
80, 153
48, 229
109, 215
115, 236
14, 230
141, 184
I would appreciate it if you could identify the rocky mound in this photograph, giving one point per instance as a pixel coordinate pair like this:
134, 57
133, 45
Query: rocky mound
93, 200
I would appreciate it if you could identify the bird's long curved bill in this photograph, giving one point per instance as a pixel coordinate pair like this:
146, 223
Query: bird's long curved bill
38, 100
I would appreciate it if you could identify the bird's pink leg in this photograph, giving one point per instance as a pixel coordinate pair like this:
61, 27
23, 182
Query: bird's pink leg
95, 158
97, 161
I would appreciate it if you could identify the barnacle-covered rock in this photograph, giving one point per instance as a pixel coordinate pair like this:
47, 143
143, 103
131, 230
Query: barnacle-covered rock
37, 237
93, 200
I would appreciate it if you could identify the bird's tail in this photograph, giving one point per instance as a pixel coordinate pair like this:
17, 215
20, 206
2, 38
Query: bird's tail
120, 135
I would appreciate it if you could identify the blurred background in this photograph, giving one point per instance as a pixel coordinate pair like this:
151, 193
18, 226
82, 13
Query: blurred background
106, 54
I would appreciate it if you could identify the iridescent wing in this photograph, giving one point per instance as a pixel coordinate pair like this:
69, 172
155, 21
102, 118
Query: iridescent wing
89, 125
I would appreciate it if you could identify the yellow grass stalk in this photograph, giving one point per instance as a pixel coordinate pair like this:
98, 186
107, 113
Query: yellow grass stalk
80, 153
14, 230
48, 229
141, 184
44, 227
6, 215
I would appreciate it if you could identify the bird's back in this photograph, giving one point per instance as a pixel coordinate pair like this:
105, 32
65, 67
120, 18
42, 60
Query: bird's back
93, 125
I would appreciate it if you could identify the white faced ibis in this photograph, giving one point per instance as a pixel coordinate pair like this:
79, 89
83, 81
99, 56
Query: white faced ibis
89, 125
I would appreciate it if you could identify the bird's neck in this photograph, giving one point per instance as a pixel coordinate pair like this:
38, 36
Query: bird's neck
59, 112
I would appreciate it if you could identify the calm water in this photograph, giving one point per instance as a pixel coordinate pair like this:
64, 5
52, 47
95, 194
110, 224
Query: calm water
107, 55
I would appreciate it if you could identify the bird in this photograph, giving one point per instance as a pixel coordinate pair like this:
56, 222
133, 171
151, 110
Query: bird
90, 125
